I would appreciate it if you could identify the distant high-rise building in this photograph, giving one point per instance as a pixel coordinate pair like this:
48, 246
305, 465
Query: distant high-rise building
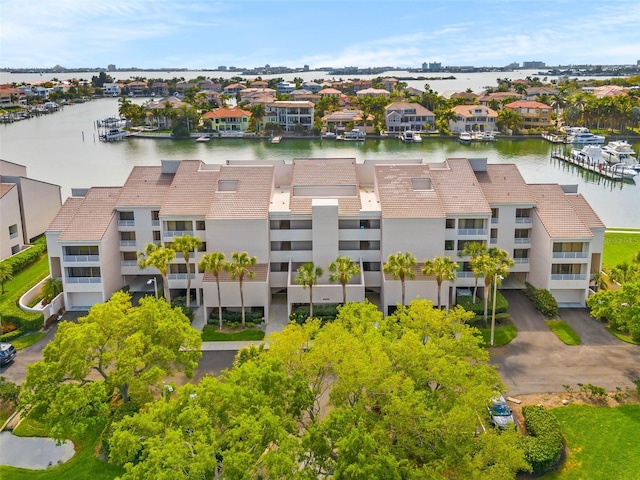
513, 65
435, 66
111, 67
222, 67
306, 68
529, 65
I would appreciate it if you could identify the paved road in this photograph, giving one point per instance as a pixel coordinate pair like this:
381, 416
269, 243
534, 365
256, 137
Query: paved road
537, 362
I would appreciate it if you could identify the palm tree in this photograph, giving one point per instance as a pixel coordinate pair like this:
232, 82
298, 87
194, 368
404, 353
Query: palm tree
214, 263
400, 266
257, 114
308, 276
473, 250
494, 263
443, 268
238, 268
599, 281
342, 270
186, 244
6, 274
51, 289
159, 257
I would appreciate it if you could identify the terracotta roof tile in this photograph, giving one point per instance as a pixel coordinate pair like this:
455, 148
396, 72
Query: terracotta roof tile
247, 199
557, 214
145, 186
191, 191
65, 214
93, 216
458, 188
504, 184
584, 211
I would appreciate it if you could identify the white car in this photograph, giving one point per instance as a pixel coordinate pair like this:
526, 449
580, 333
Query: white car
500, 413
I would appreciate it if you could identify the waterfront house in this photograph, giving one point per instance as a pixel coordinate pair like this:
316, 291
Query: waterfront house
27, 206
111, 89
533, 93
285, 88
313, 87
339, 121
470, 118
160, 89
312, 210
233, 89
228, 120
159, 111
10, 96
403, 116
373, 92
497, 98
389, 83
330, 92
534, 114
304, 95
137, 89
290, 115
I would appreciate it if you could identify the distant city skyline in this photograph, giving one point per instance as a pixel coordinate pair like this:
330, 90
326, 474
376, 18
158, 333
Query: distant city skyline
205, 35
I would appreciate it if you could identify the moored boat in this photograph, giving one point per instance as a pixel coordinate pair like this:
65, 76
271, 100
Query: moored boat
354, 135
113, 135
202, 139
407, 136
589, 155
619, 151
465, 137
625, 170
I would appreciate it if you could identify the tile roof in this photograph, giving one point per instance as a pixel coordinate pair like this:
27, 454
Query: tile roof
503, 183
227, 113
191, 190
252, 195
584, 211
92, 216
145, 186
467, 111
65, 214
527, 104
6, 187
458, 188
402, 106
328, 172
557, 214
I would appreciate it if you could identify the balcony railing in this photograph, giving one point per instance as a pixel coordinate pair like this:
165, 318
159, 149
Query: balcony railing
568, 276
180, 276
127, 243
494, 219
570, 254
472, 231
522, 240
129, 263
521, 260
127, 223
155, 223
464, 274
13, 235
523, 219
81, 258
493, 241
84, 279
177, 233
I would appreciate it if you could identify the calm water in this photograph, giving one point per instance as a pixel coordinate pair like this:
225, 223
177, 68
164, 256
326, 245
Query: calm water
63, 149
33, 452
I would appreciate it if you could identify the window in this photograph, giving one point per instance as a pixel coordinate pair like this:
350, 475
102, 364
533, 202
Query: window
450, 223
522, 233
279, 267
130, 256
494, 234
521, 253
523, 213
199, 224
448, 244
127, 236
203, 247
567, 247
178, 268
565, 269
13, 231
470, 223
83, 272
371, 266
156, 235
81, 250
126, 216
179, 225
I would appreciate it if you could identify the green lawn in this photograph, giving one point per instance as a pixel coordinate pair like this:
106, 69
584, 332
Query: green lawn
620, 247
24, 280
563, 331
27, 340
603, 443
211, 334
501, 336
622, 336
83, 465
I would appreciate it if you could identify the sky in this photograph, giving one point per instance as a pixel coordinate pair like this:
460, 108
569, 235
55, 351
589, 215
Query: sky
320, 33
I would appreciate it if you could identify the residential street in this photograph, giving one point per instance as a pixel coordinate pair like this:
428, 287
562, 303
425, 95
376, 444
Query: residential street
537, 362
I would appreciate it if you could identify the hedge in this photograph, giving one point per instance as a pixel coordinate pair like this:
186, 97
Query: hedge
466, 302
543, 447
229, 316
542, 299
22, 260
323, 312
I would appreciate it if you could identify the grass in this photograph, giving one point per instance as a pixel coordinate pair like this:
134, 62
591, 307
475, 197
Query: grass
27, 340
83, 465
619, 247
622, 336
501, 336
563, 331
24, 280
211, 334
602, 442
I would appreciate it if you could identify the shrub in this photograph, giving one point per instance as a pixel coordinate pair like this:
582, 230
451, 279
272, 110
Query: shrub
8, 390
22, 260
323, 312
126, 409
231, 317
466, 302
7, 337
542, 299
543, 447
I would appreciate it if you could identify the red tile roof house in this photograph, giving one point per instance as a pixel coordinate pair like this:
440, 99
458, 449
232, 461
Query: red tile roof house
534, 114
228, 120
471, 118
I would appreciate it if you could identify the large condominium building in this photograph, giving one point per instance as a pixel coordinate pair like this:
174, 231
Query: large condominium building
313, 210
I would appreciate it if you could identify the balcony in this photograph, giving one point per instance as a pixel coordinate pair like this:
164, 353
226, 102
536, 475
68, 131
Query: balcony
81, 258
521, 260
523, 219
494, 220
176, 233
568, 276
526, 240
155, 223
129, 263
127, 243
180, 276
126, 223
84, 279
570, 254
472, 231
493, 241
464, 274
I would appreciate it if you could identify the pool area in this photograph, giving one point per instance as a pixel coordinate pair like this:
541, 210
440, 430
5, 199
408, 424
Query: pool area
35, 453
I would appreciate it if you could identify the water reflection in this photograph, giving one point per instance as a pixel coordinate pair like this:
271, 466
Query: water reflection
33, 452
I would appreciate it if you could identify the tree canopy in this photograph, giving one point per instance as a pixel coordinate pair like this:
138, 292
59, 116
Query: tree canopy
362, 397
117, 350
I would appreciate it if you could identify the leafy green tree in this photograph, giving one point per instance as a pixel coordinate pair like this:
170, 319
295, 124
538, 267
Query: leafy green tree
400, 266
621, 307
117, 349
6, 273
187, 244
362, 397
51, 288
257, 114
509, 119
343, 269
215, 263
443, 268
159, 257
238, 268
309, 275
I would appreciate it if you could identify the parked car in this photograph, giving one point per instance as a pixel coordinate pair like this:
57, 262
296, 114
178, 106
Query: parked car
500, 413
7, 353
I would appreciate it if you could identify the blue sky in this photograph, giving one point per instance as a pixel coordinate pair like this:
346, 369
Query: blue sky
205, 34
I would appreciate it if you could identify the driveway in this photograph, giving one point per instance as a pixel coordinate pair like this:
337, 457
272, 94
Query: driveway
537, 362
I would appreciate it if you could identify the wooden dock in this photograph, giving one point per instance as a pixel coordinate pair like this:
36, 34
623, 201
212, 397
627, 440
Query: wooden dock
550, 137
604, 170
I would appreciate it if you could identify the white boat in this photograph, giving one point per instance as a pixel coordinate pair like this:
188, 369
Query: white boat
465, 137
589, 155
204, 138
407, 136
329, 135
619, 151
585, 138
417, 138
113, 135
354, 135
483, 136
625, 170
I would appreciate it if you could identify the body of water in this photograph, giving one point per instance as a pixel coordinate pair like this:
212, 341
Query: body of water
35, 453
63, 148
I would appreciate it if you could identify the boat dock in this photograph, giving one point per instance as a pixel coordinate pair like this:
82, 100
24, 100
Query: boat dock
605, 170
276, 139
550, 137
